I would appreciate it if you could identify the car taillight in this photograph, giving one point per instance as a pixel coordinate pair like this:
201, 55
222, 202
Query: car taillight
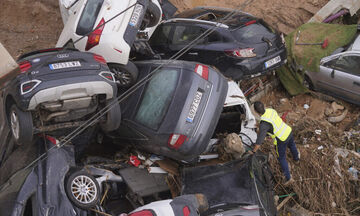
107, 75
143, 213
241, 53
202, 70
28, 86
176, 140
99, 59
186, 211
94, 37
24, 66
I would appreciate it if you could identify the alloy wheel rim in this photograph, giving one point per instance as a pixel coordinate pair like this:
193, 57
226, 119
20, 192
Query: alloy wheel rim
15, 126
84, 189
123, 77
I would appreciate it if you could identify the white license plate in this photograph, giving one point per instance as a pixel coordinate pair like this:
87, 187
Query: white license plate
62, 65
273, 61
136, 15
194, 107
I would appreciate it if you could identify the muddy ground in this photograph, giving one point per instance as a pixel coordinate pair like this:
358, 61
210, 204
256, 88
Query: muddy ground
27, 25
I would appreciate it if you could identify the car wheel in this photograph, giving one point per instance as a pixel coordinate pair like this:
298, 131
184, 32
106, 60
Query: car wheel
113, 118
126, 75
82, 189
21, 125
307, 83
153, 15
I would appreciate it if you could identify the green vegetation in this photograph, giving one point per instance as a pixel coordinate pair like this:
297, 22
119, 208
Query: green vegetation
307, 57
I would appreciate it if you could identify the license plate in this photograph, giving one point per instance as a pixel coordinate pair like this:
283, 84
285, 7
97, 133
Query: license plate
273, 61
62, 65
194, 107
136, 15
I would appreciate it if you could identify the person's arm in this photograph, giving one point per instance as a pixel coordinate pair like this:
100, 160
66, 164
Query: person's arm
263, 129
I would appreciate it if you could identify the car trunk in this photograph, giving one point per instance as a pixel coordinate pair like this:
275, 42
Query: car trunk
256, 34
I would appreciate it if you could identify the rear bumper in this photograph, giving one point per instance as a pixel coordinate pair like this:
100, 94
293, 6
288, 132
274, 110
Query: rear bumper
67, 89
198, 143
254, 67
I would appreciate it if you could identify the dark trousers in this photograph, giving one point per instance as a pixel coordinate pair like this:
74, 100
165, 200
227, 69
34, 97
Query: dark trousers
281, 150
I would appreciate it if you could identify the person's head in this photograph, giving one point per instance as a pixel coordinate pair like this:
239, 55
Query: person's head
259, 107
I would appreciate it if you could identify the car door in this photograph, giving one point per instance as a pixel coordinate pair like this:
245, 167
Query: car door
341, 77
159, 41
182, 36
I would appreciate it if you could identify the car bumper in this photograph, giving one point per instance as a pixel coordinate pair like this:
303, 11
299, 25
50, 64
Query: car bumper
198, 143
68, 89
254, 67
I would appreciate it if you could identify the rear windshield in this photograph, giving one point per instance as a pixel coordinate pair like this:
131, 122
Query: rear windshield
88, 17
252, 33
157, 97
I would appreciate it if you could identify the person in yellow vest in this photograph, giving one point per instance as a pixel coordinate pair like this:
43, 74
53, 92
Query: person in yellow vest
273, 125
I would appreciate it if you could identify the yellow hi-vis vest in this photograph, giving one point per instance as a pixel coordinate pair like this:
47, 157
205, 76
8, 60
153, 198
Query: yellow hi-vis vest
280, 128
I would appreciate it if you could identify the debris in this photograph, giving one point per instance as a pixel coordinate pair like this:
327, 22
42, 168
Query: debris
156, 170
339, 118
354, 172
283, 203
306, 106
169, 166
208, 156
320, 147
232, 145
318, 132
134, 161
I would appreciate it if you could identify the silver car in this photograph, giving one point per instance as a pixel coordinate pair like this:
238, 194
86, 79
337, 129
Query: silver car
339, 74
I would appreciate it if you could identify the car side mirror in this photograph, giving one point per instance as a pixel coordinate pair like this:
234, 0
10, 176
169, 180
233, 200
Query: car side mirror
332, 73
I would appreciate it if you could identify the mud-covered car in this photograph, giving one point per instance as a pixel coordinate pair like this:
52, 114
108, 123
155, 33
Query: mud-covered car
108, 28
176, 112
58, 89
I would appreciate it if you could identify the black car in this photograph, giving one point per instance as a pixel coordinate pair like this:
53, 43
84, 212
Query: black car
176, 112
241, 47
239, 187
56, 89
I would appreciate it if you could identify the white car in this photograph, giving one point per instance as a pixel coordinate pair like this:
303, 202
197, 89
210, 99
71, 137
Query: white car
109, 28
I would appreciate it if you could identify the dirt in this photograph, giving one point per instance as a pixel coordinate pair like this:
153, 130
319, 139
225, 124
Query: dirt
28, 25
284, 15
40, 24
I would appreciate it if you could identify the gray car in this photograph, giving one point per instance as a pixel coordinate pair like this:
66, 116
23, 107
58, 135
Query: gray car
339, 74
176, 112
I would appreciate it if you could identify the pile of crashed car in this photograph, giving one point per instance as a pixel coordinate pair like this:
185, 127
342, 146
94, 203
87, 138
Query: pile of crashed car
165, 104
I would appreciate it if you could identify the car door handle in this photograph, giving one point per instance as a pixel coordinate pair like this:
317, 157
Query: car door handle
356, 83
193, 53
332, 73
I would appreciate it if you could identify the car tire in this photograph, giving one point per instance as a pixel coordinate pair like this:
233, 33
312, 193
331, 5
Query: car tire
154, 14
113, 117
126, 75
82, 189
307, 83
21, 125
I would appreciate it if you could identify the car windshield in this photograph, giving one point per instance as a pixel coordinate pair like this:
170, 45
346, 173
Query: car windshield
252, 33
157, 98
88, 17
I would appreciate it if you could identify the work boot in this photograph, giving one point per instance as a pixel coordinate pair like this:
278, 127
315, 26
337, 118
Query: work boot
297, 162
289, 182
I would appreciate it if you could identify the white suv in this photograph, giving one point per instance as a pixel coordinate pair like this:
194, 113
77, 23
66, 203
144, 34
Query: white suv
108, 28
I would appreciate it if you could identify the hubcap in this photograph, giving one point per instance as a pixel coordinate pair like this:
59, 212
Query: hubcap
123, 77
83, 189
14, 121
